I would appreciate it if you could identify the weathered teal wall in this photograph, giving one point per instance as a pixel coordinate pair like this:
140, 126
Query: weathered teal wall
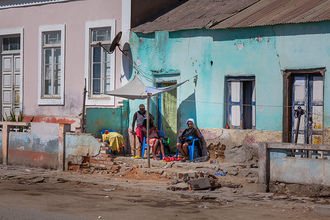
116, 119
261, 51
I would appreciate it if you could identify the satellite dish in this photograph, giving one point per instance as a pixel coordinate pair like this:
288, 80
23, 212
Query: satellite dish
115, 42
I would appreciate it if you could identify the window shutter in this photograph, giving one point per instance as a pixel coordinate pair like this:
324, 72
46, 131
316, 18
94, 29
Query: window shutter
253, 104
235, 104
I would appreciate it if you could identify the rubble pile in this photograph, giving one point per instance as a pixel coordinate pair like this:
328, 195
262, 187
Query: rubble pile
102, 162
216, 151
193, 180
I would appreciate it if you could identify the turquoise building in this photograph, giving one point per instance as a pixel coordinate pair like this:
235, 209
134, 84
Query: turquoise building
247, 73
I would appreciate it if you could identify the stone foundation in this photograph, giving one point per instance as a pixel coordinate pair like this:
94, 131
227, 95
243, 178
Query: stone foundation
234, 137
220, 140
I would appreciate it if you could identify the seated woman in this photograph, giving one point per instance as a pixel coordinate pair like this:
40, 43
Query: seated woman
154, 139
187, 137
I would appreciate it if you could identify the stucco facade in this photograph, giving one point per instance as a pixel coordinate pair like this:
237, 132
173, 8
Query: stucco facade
262, 52
74, 18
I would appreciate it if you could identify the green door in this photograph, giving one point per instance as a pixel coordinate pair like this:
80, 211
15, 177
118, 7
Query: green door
167, 114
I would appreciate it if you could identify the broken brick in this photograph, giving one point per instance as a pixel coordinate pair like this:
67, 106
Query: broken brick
200, 183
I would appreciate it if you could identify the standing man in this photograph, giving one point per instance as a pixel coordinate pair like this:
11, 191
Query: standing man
139, 117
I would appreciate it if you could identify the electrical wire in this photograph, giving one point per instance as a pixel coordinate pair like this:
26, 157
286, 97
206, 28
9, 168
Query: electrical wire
244, 105
145, 75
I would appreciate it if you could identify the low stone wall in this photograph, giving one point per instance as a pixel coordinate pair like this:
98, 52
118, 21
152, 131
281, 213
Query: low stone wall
276, 164
284, 168
235, 137
222, 144
81, 145
40, 146
36, 148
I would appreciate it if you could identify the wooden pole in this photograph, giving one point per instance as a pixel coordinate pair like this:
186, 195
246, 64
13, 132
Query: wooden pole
148, 127
5, 143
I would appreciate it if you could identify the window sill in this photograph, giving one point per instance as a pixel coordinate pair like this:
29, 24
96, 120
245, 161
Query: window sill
101, 97
51, 101
5, 52
103, 100
51, 98
245, 129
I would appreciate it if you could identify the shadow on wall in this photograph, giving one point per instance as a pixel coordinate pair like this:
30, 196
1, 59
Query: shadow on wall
127, 63
171, 134
252, 32
187, 109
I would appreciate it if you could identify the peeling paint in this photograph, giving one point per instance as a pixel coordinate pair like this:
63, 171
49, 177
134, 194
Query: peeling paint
47, 119
240, 46
259, 51
39, 148
259, 39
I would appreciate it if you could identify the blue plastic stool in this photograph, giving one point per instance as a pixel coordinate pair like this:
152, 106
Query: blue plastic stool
144, 148
144, 145
191, 148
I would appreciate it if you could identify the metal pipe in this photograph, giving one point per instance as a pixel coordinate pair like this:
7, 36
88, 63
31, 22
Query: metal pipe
148, 127
83, 123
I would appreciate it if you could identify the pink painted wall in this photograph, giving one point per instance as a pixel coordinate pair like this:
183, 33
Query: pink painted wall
74, 15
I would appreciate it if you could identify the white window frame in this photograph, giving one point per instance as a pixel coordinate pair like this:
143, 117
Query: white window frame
49, 100
239, 102
18, 31
99, 100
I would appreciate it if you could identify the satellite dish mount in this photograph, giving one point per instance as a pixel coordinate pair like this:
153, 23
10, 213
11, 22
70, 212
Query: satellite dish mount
113, 45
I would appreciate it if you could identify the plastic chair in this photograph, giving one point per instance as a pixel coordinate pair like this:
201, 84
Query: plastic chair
144, 145
110, 130
166, 142
191, 148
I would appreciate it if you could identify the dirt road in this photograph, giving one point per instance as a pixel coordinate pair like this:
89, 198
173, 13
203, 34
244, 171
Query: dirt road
31, 194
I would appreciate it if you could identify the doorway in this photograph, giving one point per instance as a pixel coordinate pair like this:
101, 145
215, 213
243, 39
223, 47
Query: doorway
10, 75
307, 92
304, 89
167, 113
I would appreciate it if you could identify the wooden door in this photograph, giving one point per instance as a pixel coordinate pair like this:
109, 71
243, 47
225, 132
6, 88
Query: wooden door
11, 84
167, 114
307, 92
315, 117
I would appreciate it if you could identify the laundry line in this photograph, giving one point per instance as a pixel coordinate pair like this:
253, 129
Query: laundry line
245, 105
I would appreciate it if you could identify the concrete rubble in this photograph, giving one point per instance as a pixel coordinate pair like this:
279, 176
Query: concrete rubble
238, 154
168, 192
195, 176
183, 176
